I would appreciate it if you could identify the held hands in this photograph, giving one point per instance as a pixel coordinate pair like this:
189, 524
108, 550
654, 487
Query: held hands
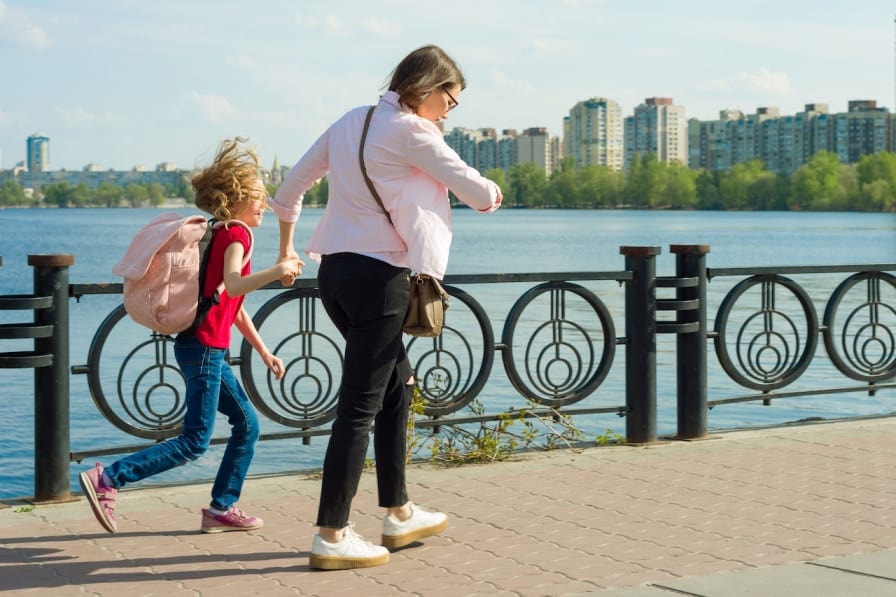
288, 269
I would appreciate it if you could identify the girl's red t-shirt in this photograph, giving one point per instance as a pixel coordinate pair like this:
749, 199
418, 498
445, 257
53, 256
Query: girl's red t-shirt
215, 330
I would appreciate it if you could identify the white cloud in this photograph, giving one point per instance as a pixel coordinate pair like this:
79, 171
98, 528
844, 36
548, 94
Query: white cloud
382, 28
240, 61
34, 36
503, 81
329, 24
80, 118
764, 81
214, 107
538, 46
17, 26
9, 118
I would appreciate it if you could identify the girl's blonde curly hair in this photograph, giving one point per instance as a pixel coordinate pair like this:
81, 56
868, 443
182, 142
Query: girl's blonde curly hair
225, 186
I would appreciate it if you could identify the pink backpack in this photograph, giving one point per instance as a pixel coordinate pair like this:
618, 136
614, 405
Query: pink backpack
162, 271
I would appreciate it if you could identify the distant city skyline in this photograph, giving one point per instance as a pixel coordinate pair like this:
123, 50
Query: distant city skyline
143, 84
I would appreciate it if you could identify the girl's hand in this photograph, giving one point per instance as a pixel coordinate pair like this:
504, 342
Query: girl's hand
288, 270
274, 364
289, 267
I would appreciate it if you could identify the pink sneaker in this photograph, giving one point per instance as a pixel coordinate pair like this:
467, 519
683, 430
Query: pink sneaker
232, 520
100, 496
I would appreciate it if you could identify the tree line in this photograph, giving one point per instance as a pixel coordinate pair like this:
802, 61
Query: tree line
106, 194
823, 183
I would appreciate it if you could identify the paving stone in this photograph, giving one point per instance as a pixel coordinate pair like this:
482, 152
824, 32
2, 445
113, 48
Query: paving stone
719, 515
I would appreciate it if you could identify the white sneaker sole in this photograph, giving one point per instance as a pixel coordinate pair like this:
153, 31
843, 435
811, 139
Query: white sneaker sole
345, 562
395, 541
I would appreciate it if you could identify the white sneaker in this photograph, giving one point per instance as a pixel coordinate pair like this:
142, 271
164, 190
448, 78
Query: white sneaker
352, 552
421, 524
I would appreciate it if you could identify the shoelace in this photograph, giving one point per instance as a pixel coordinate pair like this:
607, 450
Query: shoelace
353, 537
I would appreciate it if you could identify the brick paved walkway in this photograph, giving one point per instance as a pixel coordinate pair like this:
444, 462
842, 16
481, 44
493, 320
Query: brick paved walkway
804, 510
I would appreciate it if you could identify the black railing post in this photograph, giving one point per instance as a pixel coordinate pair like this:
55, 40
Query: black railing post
51, 384
640, 345
690, 262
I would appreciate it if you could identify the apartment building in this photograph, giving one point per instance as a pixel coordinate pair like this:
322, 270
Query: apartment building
486, 149
784, 143
593, 134
659, 127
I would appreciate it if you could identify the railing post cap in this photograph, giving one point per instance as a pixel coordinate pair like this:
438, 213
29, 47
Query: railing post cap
689, 249
640, 251
48, 260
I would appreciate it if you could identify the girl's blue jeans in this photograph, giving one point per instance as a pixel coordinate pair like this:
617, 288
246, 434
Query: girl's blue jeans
211, 387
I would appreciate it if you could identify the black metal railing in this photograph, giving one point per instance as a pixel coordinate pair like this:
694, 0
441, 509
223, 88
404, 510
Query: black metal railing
557, 347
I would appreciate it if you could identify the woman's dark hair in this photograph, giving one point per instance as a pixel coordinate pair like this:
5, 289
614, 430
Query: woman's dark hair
423, 71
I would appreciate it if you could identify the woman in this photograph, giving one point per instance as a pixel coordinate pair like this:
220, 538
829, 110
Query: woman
363, 279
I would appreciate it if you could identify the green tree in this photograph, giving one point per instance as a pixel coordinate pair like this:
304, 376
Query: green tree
136, 194
600, 186
680, 186
707, 187
498, 176
644, 181
877, 196
876, 181
156, 194
107, 195
318, 194
736, 185
563, 188
12, 194
816, 185
527, 183
57, 194
182, 188
79, 196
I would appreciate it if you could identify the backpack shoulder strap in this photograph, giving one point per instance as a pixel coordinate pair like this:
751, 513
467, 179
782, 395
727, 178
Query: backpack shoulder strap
213, 226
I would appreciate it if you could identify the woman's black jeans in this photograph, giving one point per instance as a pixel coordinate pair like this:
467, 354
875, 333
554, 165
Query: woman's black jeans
367, 300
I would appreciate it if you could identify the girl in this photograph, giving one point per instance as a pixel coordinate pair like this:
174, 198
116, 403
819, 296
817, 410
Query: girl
229, 189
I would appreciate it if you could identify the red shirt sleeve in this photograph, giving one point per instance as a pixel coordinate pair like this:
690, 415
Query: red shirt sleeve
215, 330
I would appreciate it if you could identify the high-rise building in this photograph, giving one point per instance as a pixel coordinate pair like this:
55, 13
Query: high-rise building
863, 129
534, 145
785, 143
38, 153
659, 127
593, 135
486, 149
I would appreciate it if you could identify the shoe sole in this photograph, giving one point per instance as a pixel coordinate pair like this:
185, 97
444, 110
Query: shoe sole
396, 541
94, 501
343, 563
225, 529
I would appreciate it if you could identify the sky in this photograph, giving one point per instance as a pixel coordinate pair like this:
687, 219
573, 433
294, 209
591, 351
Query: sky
121, 83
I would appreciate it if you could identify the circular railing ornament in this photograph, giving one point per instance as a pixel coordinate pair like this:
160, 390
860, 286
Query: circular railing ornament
860, 327
766, 348
150, 390
562, 360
